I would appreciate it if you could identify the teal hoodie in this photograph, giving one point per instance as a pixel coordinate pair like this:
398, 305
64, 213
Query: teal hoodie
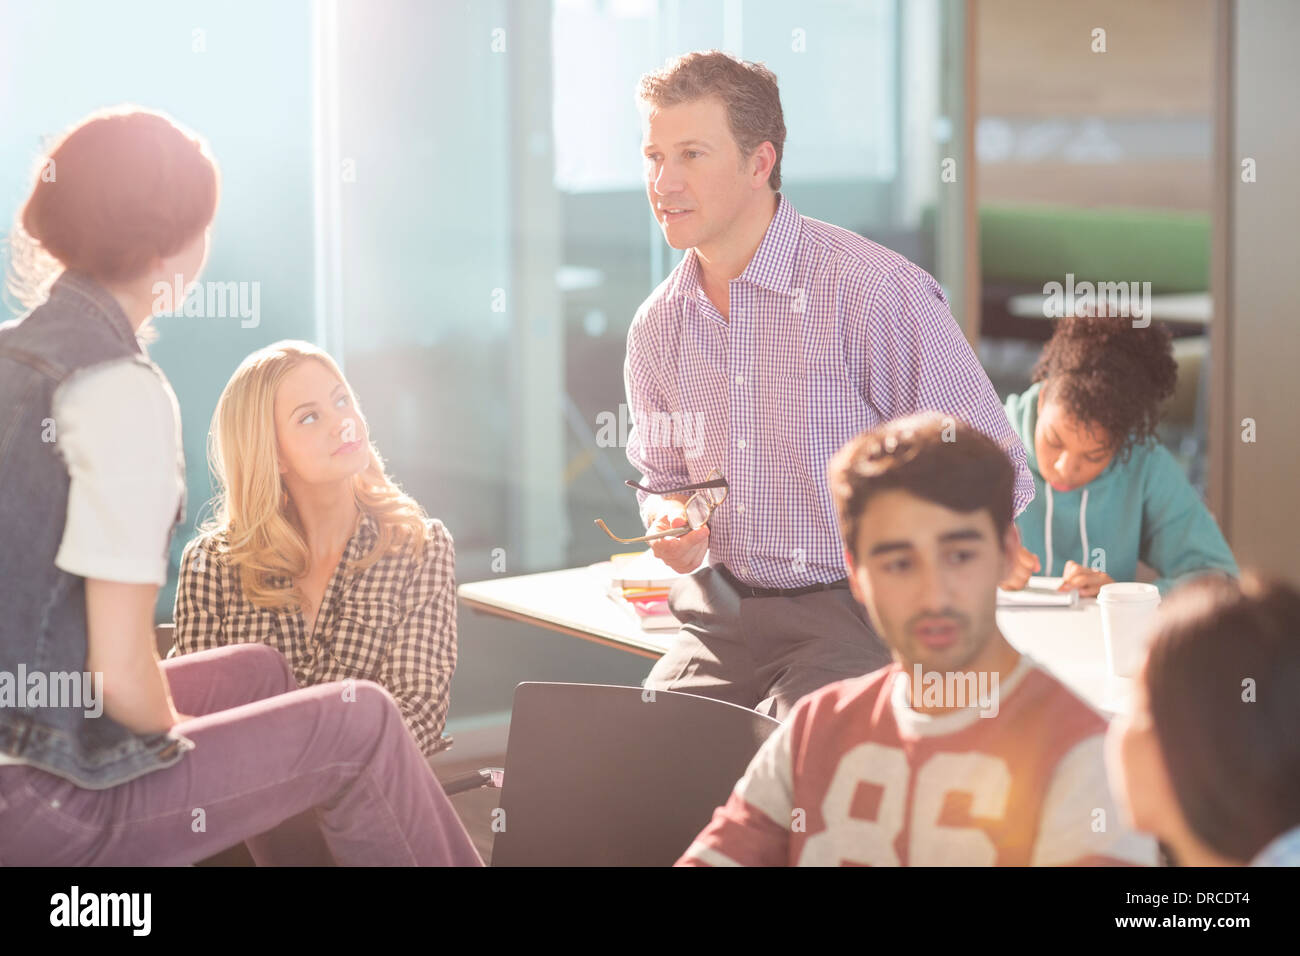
1144, 508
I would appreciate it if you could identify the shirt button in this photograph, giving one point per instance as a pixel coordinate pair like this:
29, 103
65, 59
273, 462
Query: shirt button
741, 507
741, 444
54, 804
740, 379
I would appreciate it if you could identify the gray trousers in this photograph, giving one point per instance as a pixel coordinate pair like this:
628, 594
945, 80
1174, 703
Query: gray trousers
763, 653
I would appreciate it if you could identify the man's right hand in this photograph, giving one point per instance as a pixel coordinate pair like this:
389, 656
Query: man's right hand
683, 554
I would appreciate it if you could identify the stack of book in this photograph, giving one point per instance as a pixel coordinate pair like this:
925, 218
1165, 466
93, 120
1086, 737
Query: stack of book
639, 584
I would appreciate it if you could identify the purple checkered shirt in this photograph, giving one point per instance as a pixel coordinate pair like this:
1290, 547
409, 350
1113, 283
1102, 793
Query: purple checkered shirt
829, 335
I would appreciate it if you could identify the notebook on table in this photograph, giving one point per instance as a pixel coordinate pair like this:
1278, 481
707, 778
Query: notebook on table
639, 583
1039, 592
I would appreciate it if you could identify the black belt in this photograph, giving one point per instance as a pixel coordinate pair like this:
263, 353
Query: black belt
745, 590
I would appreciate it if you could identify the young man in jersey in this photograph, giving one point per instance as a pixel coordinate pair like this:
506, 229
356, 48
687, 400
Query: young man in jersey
879, 770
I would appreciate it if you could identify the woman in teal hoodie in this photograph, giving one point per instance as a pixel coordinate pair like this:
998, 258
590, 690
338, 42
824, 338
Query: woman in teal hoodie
1107, 492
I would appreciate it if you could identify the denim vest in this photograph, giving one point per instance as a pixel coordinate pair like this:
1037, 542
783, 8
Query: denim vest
43, 609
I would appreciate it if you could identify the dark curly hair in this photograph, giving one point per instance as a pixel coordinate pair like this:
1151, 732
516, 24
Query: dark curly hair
1110, 375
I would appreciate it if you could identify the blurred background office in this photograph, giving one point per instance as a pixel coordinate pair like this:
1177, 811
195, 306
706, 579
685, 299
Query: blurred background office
448, 197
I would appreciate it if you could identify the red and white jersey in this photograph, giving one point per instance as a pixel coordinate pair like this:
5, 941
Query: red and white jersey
856, 776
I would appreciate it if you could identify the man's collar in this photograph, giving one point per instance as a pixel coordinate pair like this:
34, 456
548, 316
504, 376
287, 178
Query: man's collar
773, 261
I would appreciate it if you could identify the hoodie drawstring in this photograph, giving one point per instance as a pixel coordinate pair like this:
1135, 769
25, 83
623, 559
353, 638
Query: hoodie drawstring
1048, 532
1083, 525
1083, 528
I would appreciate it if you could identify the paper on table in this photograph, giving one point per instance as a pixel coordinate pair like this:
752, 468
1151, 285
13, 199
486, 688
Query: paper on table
641, 569
1039, 592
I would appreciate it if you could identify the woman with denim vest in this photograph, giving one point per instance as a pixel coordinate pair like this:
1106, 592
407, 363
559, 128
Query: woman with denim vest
107, 755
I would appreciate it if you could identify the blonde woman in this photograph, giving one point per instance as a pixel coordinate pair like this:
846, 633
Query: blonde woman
312, 548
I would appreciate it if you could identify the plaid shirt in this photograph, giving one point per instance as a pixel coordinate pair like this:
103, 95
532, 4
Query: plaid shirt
394, 623
829, 335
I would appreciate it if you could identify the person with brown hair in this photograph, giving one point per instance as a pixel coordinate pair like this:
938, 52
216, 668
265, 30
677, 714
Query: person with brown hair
1208, 756
776, 339
963, 751
152, 762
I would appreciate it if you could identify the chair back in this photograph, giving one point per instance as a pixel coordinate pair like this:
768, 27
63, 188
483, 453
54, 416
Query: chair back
597, 775
162, 635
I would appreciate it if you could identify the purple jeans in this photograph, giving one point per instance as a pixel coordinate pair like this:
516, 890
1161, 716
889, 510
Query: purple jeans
265, 752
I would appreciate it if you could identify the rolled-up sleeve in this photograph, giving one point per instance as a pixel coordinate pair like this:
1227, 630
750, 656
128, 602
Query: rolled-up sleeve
116, 427
920, 361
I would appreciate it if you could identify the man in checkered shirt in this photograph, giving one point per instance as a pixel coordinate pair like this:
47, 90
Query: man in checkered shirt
775, 340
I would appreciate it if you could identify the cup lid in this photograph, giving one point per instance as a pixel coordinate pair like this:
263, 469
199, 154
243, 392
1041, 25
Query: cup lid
1128, 592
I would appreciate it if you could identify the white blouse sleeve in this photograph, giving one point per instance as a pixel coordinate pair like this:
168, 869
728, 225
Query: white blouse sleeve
118, 430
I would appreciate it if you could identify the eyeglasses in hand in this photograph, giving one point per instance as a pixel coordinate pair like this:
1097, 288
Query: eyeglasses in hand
708, 495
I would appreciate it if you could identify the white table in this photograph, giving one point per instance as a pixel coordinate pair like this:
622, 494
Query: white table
1066, 641
572, 601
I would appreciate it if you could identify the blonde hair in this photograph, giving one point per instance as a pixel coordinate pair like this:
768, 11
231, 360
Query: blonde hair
251, 505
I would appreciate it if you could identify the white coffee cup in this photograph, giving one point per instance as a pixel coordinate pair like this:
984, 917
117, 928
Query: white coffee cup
1128, 611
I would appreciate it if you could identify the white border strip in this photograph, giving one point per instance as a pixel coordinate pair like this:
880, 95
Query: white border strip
327, 172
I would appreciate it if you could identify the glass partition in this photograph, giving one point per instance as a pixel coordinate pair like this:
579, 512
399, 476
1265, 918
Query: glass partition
495, 238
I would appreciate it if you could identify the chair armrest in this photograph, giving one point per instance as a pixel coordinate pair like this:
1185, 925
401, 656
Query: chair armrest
485, 777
